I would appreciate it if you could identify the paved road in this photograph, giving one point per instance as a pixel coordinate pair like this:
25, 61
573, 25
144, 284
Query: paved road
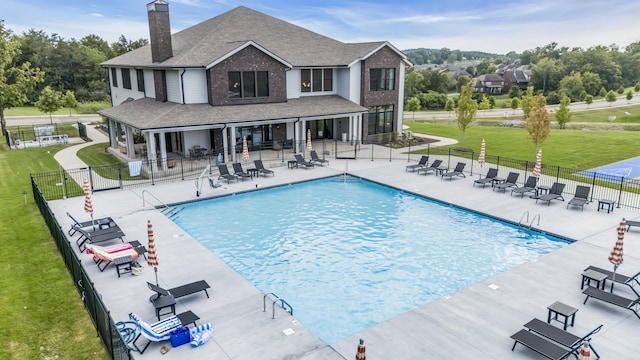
57, 119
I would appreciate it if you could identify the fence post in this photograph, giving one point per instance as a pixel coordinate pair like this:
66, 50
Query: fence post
151, 162
120, 176
182, 167
409, 152
593, 185
449, 159
90, 178
620, 191
472, 153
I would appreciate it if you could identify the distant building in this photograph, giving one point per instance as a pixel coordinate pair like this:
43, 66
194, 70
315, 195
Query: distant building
490, 84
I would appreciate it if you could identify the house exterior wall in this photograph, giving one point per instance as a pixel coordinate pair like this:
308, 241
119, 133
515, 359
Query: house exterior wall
119, 93
194, 83
174, 91
247, 59
149, 87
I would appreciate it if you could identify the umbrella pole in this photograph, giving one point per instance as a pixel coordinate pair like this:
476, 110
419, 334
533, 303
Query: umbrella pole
156, 271
613, 278
92, 223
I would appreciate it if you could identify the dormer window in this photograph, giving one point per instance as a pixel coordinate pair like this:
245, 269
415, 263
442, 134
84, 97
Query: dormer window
316, 80
248, 84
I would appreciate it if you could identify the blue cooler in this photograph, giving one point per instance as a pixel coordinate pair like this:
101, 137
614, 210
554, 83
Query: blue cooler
180, 336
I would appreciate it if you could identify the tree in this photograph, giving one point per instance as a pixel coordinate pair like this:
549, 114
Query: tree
538, 124
515, 92
611, 97
413, 105
629, 95
69, 100
515, 103
413, 84
572, 86
526, 102
637, 87
450, 106
485, 104
620, 90
563, 115
467, 108
15, 79
50, 101
588, 100
603, 92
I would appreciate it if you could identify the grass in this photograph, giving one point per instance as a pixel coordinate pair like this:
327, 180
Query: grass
43, 316
33, 111
96, 157
27, 132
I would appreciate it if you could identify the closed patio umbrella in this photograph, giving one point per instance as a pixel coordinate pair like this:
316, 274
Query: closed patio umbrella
481, 156
152, 253
245, 149
616, 255
309, 148
538, 167
88, 202
361, 354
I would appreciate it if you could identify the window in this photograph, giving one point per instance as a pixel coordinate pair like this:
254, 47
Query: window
114, 77
126, 78
380, 119
382, 79
248, 84
140, 79
316, 80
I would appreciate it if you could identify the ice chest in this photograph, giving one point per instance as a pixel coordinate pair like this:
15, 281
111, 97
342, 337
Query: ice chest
180, 336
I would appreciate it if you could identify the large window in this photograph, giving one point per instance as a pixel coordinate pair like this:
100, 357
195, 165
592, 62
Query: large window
380, 119
114, 77
248, 84
126, 78
382, 79
316, 80
140, 79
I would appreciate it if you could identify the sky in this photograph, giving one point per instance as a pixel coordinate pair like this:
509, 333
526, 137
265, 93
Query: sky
472, 25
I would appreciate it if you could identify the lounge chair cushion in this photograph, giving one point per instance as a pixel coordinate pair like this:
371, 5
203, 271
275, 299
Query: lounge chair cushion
540, 345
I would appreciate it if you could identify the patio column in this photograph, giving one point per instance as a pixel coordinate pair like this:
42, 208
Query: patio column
113, 141
151, 145
128, 133
225, 144
163, 151
303, 136
296, 136
233, 144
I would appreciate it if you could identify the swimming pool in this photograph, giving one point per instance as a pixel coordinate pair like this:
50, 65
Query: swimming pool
349, 255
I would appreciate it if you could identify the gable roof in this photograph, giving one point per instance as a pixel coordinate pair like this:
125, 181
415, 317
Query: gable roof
213, 40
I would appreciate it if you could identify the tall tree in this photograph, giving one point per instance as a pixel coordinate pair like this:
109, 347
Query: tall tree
485, 104
50, 101
69, 100
526, 102
515, 103
449, 106
588, 100
538, 124
572, 86
413, 84
467, 108
413, 105
563, 115
15, 79
611, 97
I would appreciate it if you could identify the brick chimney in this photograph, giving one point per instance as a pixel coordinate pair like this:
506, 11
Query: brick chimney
159, 31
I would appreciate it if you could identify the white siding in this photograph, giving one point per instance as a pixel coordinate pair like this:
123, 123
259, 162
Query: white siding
400, 109
173, 87
293, 83
149, 84
194, 83
355, 81
120, 94
341, 83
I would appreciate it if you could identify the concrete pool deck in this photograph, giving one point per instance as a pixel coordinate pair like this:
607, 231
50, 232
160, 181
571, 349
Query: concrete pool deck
475, 322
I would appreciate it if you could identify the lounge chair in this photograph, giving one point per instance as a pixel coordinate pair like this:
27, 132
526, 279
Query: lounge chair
180, 291
630, 281
261, 169
98, 236
529, 186
316, 160
225, 174
542, 346
239, 172
101, 223
554, 193
105, 255
581, 197
617, 300
302, 162
422, 163
488, 179
456, 172
560, 336
435, 167
156, 332
509, 183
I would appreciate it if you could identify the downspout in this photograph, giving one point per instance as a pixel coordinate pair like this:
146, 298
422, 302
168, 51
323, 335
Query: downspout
182, 84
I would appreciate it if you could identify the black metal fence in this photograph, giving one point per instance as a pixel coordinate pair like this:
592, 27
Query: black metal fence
105, 326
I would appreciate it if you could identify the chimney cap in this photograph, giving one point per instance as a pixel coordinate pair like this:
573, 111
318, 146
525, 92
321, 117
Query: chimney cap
158, 5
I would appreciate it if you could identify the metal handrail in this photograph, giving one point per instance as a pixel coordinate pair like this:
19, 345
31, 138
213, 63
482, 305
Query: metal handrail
273, 305
536, 216
522, 217
171, 211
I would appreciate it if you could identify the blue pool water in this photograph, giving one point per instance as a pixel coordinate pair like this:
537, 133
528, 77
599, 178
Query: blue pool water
349, 255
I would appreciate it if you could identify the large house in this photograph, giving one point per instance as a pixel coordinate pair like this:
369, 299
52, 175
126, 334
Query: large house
247, 74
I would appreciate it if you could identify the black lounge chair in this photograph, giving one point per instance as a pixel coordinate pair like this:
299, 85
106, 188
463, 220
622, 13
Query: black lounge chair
581, 197
509, 183
302, 162
529, 186
435, 167
617, 300
456, 172
316, 160
101, 223
99, 236
542, 346
180, 291
554, 193
560, 336
422, 163
225, 174
488, 179
630, 281
239, 172
261, 169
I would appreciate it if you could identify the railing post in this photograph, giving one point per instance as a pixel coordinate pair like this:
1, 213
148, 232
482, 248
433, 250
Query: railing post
620, 191
182, 168
472, 156
593, 185
121, 185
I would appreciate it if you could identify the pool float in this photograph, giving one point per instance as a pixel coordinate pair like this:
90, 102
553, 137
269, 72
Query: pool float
200, 334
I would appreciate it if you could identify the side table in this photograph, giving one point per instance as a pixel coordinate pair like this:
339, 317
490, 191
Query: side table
188, 317
292, 164
558, 309
123, 264
602, 203
599, 278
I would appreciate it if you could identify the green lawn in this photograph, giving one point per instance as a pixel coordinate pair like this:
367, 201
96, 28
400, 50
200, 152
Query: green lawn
43, 316
33, 111
95, 155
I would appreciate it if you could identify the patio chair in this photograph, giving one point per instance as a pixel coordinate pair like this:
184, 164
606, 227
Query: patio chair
630, 281
456, 172
105, 255
225, 174
239, 172
509, 183
182, 290
302, 162
422, 163
435, 167
98, 223
581, 197
617, 300
156, 332
542, 346
261, 169
488, 179
554, 193
316, 160
99, 236
529, 186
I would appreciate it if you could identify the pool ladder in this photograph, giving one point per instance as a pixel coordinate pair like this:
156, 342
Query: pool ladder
283, 304
525, 217
168, 211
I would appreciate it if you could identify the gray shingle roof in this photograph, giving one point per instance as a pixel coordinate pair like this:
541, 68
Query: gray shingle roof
213, 39
147, 113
